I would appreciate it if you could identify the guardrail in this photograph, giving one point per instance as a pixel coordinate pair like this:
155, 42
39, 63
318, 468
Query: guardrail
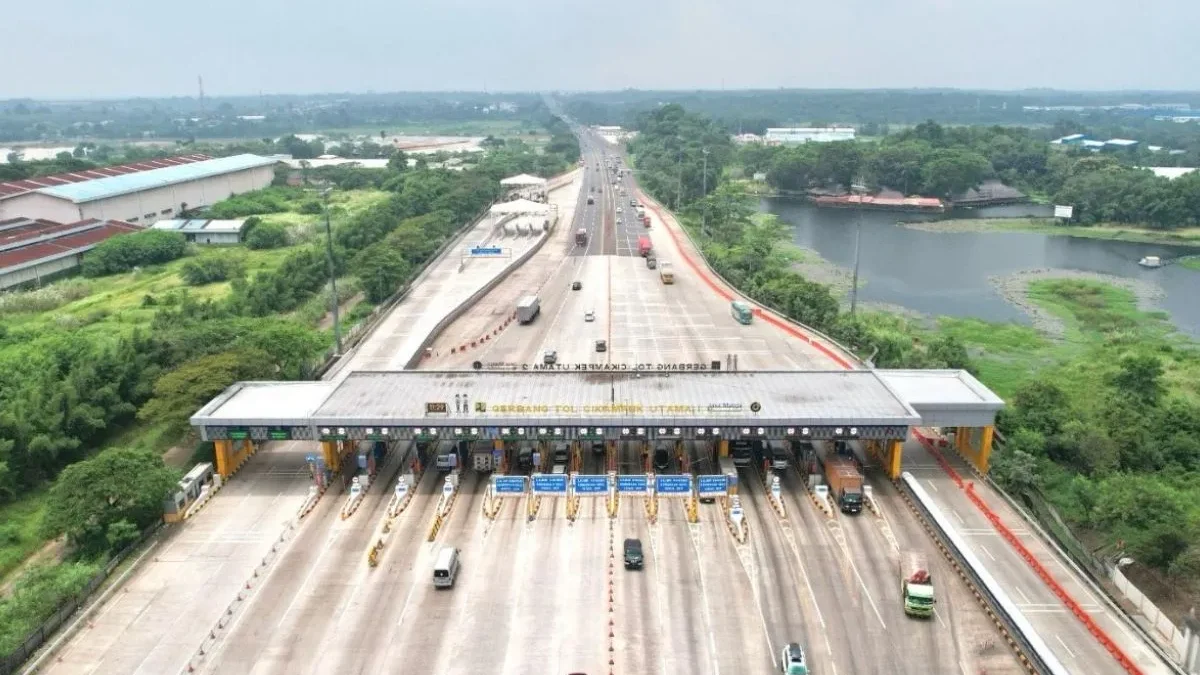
1029, 646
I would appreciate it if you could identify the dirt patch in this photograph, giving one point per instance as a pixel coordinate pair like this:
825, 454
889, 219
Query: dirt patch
51, 552
1014, 288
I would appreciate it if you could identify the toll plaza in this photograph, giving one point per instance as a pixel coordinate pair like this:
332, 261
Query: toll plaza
568, 407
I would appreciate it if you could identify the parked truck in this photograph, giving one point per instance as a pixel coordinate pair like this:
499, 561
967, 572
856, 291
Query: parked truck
510, 229
916, 584
666, 273
644, 246
528, 308
845, 483
581, 237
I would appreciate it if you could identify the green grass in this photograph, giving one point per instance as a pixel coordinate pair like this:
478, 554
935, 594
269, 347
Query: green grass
1192, 263
1102, 324
1186, 236
21, 531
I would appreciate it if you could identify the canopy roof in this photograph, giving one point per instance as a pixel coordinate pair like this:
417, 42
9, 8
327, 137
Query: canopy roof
520, 206
523, 180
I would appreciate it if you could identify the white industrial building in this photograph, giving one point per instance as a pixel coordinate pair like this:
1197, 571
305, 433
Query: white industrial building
795, 135
145, 196
205, 231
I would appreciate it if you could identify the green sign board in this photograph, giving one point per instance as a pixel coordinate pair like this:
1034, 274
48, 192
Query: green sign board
239, 434
279, 434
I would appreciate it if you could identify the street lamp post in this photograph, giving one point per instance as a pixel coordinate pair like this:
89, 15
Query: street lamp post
859, 189
704, 193
337, 327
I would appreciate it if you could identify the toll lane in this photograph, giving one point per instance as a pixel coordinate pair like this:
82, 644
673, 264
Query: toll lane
638, 615
155, 623
1066, 636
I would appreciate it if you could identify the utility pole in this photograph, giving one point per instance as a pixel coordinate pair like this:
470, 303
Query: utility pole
679, 180
337, 328
704, 193
860, 189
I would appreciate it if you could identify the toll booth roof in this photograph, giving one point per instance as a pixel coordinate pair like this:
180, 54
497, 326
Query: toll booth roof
689, 398
265, 402
945, 397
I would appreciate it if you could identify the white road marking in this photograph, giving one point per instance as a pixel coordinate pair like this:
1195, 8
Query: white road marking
1021, 591
1064, 645
940, 620
986, 552
933, 485
694, 535
956, 515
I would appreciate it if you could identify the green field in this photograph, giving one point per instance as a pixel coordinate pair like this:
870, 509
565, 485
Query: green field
1187, 236
20, 531
1103, 323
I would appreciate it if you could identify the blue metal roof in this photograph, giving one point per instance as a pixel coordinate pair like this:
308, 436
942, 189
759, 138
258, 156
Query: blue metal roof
103, 188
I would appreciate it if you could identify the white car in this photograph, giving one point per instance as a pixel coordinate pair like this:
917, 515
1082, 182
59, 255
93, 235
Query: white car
589, 315
618, 209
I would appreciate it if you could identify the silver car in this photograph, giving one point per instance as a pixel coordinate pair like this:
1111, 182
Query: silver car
589, 315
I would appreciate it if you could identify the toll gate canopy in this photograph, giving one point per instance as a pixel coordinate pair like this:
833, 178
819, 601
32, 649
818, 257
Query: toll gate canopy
706, 405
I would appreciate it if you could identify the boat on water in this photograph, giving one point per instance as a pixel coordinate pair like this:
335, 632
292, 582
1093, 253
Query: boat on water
1151, 261
926, 204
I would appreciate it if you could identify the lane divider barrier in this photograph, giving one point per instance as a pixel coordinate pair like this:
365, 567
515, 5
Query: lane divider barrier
1032, 560
314, 495
693, 509
491, 504
206, 494
445, 505
532, 504
652, 509
358, 490
1026, 663
572, 508
612, 558
209, 641
771, 485
735, 519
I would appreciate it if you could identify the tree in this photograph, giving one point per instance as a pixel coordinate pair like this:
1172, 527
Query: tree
127, 251
382, 269
952, 171
398, 162
1140, 376
210, 269
182, 391
116, 486
267, 236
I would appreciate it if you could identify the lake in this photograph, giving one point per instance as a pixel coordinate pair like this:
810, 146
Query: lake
947, 273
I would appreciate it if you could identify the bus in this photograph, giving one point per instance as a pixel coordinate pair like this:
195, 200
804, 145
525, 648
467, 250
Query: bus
741, 312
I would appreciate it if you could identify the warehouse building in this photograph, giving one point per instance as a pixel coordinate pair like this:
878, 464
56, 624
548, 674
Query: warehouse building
33, 251
205, 231
13, 189
796, 135
143, 197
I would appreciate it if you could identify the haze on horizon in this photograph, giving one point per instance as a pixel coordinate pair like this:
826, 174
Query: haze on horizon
88, 49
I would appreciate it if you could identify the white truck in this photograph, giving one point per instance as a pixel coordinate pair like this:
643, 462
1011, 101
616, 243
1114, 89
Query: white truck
528, 308
916, 584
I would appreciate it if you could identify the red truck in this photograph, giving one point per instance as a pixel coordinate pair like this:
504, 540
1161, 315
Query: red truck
644, 246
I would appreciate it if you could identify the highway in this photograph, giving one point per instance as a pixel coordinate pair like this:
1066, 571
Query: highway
534, 595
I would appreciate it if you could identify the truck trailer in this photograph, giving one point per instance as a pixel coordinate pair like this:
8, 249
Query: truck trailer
644, 246
845, 483
666, 273
528, 308
916, 584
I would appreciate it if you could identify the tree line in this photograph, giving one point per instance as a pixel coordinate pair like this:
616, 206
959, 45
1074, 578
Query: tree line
933, 160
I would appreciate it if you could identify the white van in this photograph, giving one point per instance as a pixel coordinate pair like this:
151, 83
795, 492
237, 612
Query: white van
445, 570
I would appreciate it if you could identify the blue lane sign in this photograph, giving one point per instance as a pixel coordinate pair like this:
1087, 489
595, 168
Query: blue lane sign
673, 485
591, 485
632, 483
486, 250
508, 485
552, 483
712, 485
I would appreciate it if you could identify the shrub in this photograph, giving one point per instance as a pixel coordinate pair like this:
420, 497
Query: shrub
211, 269
267, 235
127, 251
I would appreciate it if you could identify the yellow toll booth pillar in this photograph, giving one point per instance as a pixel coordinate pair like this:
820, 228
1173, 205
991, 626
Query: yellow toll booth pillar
895, 450
224, 451
329, 453
723, 447
975, 444
498, 444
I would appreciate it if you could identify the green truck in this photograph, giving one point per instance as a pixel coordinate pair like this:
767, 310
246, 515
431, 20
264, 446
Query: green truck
916, 584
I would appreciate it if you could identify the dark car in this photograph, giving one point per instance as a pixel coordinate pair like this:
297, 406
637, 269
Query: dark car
662, 458
576, 285
633, 554
601, 346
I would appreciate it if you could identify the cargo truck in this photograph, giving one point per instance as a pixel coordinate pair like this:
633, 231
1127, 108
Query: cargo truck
581, 237
742, 452
644, 247
510, 229
666, 273
845, 484
916, 584
528, 308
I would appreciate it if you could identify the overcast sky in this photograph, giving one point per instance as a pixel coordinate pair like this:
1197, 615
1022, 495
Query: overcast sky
91, 48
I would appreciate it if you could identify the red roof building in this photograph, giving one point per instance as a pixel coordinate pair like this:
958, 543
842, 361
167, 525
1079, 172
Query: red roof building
14, 188
33, 250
